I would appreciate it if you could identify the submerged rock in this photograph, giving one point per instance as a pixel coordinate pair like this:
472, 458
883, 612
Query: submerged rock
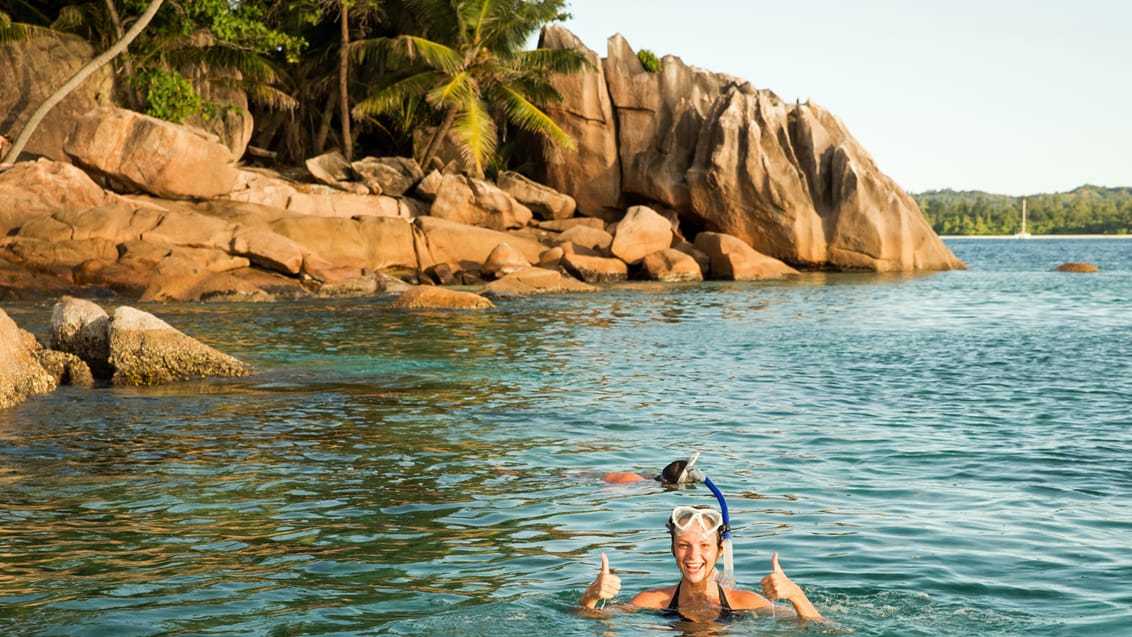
66, 369
144, 350
81, 328
1077, 267
426, 297
21, 375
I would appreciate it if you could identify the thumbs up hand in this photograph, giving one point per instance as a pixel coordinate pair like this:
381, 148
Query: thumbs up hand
778, 586
605, 586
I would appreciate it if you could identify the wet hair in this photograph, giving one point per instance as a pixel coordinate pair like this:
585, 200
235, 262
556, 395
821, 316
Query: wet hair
672, 472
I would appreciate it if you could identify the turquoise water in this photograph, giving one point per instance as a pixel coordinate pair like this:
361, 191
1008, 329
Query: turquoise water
940, 455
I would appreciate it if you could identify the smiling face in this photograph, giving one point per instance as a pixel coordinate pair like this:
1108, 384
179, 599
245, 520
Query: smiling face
696, 550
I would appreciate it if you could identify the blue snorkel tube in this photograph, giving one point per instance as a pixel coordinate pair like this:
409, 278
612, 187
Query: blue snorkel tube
727, 578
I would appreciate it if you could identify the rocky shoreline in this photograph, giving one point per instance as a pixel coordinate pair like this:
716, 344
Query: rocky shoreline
682, 175
88, 347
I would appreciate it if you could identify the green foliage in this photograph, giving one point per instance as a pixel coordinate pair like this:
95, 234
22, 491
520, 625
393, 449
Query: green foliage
240, 25
14, 30
1085, 210
466, 61
10, 31
169, 96
21, 14
650, 61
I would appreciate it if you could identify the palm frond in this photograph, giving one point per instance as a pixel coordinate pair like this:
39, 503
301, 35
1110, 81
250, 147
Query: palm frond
513, 21
478, 16
438, 19
434, 54
459, 89
271, 97
555, 60
26, 14
251, 66
377, 50
393, 96
12, 31
536, 90
531, 118
475, 129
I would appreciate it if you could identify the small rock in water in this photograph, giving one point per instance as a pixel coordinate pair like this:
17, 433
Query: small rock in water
1077, 267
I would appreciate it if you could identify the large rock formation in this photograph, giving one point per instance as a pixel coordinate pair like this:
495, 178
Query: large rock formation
32, 71
544, 202
154, 156
659, 117
33, 189
127, 347
230, 121
763, 187
592, 174
787, 179
731, 258
476, 202
642, 232
534, 281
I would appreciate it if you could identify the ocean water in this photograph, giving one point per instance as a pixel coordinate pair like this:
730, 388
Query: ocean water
945, 454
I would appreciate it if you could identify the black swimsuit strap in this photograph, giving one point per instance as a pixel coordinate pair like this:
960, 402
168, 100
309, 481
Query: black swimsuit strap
674, 603
724, 606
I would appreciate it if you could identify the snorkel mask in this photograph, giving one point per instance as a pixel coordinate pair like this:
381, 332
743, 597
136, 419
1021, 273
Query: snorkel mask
690, 472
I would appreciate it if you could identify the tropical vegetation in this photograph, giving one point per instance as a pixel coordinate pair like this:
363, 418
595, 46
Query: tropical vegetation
354, 75
649, 60
1084, 210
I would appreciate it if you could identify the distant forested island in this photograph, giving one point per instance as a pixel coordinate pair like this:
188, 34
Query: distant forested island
1084, 210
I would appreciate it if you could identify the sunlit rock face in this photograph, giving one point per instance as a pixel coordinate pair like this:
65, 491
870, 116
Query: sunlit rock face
788, 179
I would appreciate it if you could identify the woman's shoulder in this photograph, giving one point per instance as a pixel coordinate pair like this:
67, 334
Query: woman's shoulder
656, 598
745, 600
621, 477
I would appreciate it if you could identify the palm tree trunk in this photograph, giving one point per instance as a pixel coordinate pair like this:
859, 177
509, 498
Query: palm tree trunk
127, 61
323, 131
437, 136
77, 78
343, 83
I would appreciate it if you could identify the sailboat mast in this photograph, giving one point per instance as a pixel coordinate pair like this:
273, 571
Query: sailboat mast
1023, 216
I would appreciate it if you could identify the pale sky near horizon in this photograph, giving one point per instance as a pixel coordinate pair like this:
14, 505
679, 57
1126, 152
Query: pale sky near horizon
1011, 97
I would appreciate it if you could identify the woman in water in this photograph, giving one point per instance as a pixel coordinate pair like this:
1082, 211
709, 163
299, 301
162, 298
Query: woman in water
674, 476
697, 540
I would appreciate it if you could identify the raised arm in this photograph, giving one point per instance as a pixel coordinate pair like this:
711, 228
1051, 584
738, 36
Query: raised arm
605, 586
778, 586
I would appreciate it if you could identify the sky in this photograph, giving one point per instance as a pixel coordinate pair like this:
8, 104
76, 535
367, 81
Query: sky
1012, 97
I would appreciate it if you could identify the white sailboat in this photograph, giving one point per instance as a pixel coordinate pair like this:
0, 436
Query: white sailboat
1023, 234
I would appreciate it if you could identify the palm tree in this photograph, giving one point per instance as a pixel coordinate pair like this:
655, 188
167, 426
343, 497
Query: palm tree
467, 62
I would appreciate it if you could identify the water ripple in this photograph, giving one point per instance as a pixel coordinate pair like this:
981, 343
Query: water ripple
941, 455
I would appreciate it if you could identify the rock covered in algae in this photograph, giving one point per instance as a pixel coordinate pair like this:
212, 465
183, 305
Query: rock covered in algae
144, 350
